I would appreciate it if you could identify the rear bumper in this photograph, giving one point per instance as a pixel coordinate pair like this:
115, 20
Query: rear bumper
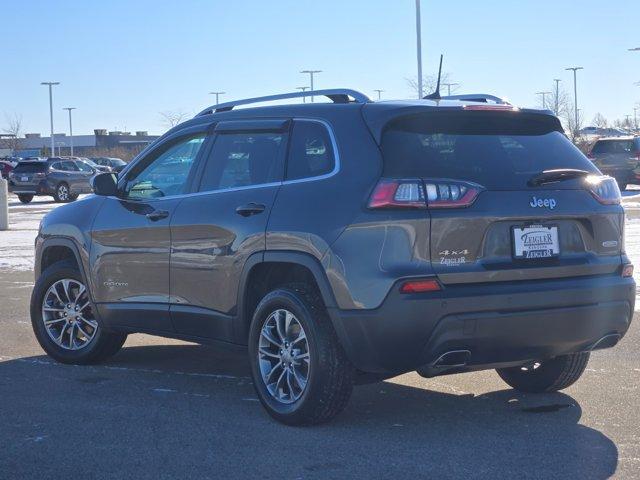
41, 188
487, 325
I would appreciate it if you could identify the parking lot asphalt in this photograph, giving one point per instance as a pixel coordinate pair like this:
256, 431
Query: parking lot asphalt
169, 409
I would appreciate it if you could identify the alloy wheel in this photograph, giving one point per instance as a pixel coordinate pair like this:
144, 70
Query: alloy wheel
67, 314
63, 192
283, 356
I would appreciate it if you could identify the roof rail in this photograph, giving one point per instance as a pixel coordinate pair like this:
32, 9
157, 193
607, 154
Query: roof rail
337, 95
478, 97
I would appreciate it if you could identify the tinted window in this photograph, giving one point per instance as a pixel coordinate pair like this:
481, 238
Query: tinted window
30, 167
613, 146
84, 167
69, 166
311, 153
496, 150
243, 159
167, 173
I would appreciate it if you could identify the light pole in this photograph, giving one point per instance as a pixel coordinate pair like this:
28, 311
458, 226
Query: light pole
419, 49
51, 84
302, 89
575, 93
544, 98
379, 92
311, 73
449, 85
68, 109
635, 117
217, 94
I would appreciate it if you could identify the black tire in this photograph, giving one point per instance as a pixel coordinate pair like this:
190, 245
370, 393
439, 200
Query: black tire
25, 198
74, 197
62, 194
103, 345
550, 376
330, 374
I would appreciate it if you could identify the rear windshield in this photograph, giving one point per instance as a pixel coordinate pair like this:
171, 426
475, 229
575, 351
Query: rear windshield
613, 146
498, 150
30, 167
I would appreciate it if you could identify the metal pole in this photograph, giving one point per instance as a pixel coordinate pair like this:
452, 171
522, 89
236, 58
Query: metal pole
304, 99
379, 92
544, 98
449, 85
311, 72
4, 205
635, 118
217, 94
575, 93
51, 84
419, 48
70, 128
557, 105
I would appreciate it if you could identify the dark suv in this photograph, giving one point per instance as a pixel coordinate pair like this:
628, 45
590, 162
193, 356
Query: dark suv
61, 178
347, 242
618, 157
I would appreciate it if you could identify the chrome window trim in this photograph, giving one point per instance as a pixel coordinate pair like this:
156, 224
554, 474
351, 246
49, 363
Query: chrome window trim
336, 169
336, 154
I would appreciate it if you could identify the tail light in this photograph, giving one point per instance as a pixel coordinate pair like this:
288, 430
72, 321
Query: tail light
627, 270
604, 189
416, 193
398, 194
451, 193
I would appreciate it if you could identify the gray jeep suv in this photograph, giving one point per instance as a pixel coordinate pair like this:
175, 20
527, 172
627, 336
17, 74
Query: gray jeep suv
347, 242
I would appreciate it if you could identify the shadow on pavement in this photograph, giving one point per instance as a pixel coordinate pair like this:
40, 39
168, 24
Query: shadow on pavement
199, 426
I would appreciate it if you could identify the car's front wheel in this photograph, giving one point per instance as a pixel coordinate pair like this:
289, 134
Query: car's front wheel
300, 371
548, 375
25, 198
64, 320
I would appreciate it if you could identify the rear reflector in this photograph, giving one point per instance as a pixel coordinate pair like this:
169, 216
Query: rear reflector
627, 270
498, 107
420, 286
398, 194
604, 189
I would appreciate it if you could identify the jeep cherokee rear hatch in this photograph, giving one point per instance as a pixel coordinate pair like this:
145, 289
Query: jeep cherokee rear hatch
508, 195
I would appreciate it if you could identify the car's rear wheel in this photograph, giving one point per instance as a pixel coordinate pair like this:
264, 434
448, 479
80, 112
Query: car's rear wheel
64, 320
300, 371
548, 375
25, 198
62, 193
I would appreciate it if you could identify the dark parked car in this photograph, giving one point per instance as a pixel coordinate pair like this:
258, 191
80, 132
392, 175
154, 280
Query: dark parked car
344, 243
61, 178
618, 157
115, 164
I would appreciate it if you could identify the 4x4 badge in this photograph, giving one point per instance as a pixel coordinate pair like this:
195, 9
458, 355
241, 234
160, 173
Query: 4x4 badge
549, 203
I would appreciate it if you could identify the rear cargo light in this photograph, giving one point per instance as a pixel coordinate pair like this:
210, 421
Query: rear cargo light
420, 286
604, 189
442, 193
398, 194
627, 270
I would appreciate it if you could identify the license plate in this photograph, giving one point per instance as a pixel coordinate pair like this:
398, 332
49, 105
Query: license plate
24, 179
535, 241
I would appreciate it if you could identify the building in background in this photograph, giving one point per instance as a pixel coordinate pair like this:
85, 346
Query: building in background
119, 144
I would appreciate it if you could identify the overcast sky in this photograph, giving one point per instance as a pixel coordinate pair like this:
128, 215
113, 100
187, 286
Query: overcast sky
122, 62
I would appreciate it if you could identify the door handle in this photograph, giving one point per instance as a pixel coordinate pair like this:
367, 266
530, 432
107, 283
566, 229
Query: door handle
157, 215
250, 209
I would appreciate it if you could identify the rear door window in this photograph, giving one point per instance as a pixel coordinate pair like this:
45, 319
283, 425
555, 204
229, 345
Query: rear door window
30, 167
497, 150
613, 146
243, 159
311, 152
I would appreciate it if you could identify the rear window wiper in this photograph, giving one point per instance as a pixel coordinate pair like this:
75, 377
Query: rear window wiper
557, 175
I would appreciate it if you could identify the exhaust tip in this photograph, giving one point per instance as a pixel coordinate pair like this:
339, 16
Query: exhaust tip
453, 358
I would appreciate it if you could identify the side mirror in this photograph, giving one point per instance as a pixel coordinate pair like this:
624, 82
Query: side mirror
105, 184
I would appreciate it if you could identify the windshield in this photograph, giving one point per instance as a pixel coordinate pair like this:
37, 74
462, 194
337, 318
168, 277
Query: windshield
496, 150
613, 146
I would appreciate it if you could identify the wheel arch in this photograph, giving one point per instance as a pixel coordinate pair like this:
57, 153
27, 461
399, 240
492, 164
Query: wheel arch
273, 268
55, 249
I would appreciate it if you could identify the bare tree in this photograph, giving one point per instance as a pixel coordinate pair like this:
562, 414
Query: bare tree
13, 131
429, 84
557, 101
569, 117
599, 121
171, 118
